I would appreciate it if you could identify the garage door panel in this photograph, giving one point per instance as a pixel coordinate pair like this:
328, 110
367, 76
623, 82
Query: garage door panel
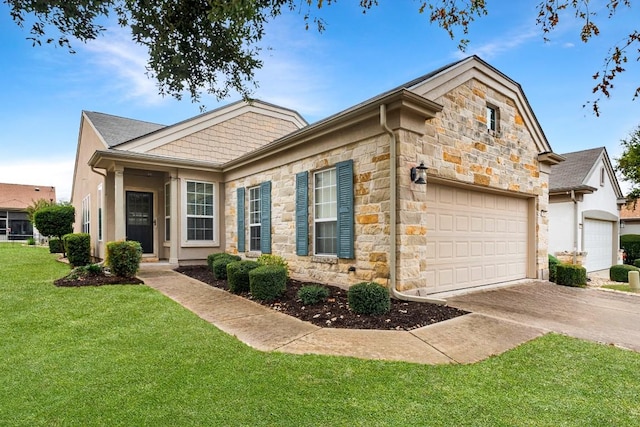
598, 243
478, 238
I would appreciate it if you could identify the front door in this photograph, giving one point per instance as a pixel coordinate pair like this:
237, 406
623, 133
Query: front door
140, 219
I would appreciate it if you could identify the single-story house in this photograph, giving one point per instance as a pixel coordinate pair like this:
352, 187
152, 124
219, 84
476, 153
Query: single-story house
343, 200
584, 208
14, 200
630, 218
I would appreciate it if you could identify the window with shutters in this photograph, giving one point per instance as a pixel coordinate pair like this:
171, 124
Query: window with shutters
325, 212
255, 223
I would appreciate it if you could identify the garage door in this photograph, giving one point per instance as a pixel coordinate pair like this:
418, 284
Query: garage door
598, 243
474, 238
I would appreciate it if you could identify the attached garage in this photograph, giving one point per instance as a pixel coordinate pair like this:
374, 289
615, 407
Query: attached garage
598, 244
475, 238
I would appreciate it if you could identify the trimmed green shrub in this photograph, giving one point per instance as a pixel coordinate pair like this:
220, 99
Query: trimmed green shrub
31, 241
219, 265
630, 243
636, 263
95, 269
238, 275
55, 246
571, 275
620, 273
123, 257
369, 298
78, 247
269, 259
313, 294
553, 263
55, 221
213, 257
267, 282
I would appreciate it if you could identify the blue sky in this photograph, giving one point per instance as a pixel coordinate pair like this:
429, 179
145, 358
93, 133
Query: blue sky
359, 56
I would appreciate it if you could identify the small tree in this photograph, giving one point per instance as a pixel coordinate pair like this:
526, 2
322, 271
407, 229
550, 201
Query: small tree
36, 205
55, 221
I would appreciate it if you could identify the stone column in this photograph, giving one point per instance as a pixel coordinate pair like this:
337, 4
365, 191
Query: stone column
119, 204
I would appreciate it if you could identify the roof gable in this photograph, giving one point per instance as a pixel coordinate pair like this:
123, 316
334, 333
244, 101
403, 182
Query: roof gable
574, 173
116, 130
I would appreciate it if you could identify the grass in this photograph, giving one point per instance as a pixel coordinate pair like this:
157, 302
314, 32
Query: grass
620, 287
126, 355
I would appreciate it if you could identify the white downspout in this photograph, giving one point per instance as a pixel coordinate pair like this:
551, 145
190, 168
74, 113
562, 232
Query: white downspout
575, 227
393, 189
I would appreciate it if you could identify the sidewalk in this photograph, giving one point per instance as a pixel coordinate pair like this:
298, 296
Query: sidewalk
466, 339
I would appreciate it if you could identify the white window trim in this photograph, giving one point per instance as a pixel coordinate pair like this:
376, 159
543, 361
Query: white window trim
100, 214
496, 112
254, 224
86, 214
330, 219
167, 204
199, 243
602, 176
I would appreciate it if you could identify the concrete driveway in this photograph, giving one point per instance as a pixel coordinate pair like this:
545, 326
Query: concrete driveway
590, 314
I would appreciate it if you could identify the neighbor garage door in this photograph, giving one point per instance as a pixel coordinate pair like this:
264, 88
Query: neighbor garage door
474, 238
598, 243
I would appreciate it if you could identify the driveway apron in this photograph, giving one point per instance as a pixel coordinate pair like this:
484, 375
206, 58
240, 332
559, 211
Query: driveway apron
590, 314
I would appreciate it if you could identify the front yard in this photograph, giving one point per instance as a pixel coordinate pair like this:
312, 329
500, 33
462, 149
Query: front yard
127, 355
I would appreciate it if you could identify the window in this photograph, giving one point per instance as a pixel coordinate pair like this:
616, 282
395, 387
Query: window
200, 211
167, 212
100, 212
602, 176
254, 219
86, 214
493, 118
325, 212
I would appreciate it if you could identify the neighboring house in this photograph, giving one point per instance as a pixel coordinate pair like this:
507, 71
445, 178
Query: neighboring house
584, 208
335, 198
630, 218
14, 200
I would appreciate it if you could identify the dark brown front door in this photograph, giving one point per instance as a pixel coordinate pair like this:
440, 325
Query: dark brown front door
140, 219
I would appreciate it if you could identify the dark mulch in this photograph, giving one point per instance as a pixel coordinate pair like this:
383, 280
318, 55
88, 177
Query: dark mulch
335, 313
97, 280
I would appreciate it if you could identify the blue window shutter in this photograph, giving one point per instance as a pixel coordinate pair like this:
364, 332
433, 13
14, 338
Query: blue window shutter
240, 215
344, 177
265, 217
302, 213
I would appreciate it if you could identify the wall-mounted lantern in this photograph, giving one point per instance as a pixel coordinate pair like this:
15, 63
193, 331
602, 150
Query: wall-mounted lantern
419, 174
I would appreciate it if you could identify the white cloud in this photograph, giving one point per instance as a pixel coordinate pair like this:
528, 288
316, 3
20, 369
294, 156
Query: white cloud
56, 173
503, 44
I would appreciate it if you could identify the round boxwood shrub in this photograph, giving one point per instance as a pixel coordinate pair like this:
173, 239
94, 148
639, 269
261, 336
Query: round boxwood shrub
369, 298
238, 275
213, 257
56, 246
220, 265
636, 263
571, 275
553, 263
270, 259
267, 282
620, 273
630, 243
123, 257
78, 247
313, 294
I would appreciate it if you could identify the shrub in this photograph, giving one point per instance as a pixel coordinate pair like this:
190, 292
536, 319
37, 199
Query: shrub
238, 275
269, 259
31, 241
571, 275
630, 243
55, 246
369, 298
267, 282
84, 271
620, 273
219, 265
55, 220
636, 263
78, 248
213, 257
94, 269
553, 263
313, 294
123, 257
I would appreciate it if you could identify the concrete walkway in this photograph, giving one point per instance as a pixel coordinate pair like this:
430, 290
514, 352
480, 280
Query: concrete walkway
465, 339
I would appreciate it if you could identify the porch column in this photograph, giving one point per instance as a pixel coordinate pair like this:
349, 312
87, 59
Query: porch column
119, 208
173, 246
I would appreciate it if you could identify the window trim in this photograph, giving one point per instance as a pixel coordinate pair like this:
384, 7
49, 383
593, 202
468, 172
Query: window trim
258, 202
185, 216
100, 214
333, 219
86, 214
493, 119
602, 176
167, 211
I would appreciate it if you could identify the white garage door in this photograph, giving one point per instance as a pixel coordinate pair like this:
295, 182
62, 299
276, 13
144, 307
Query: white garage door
598, 243
474, 238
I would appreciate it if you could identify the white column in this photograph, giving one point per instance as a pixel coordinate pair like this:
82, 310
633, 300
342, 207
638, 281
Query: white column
119, 208
173, 246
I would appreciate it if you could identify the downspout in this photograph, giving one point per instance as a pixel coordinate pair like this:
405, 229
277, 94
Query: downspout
575, 226
99, 173
393, 190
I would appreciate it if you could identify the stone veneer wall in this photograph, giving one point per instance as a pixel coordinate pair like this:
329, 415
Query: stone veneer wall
371, 207
228, 140
457, 146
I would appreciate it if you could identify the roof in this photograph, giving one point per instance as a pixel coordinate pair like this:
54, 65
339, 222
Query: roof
573, 172
630, 210
116, 130
20, 196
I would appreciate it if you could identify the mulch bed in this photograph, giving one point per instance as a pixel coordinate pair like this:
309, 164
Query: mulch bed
97, 280
335, 313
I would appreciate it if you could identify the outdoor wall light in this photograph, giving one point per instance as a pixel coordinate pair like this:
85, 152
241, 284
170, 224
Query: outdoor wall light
419, 174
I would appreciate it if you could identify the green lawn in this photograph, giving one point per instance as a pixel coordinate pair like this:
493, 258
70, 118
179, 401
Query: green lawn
126, 355
620, 287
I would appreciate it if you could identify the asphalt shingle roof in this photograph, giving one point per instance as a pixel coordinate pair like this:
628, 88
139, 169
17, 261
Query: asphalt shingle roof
573, 171
116, 130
